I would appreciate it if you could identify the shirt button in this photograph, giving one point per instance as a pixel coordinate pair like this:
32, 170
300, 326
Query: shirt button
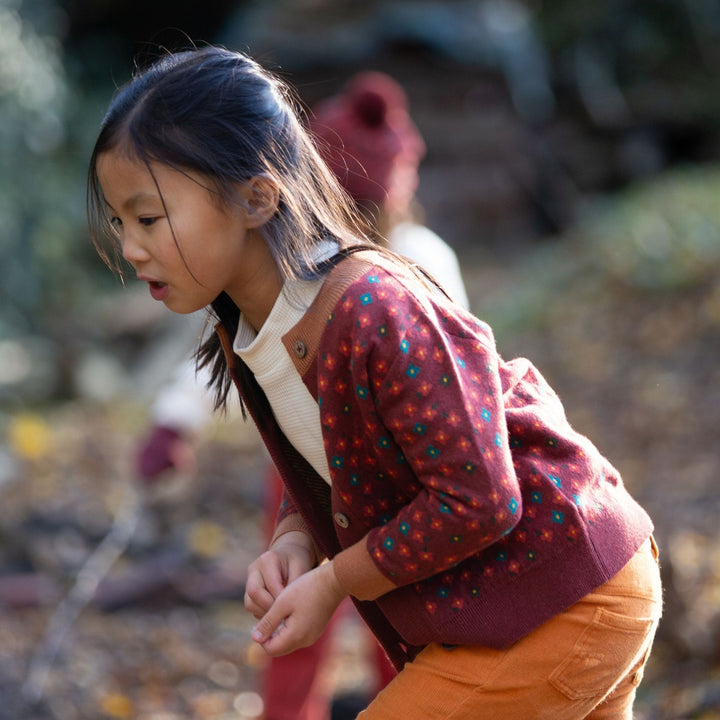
300, 349
341, 520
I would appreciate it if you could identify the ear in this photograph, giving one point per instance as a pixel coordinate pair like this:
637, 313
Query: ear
260, 196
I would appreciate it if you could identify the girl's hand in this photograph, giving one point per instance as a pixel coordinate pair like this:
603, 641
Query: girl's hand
300, 612
291, 555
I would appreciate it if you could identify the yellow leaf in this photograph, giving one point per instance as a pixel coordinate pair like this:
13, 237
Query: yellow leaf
29, 436
206, 538
117, 705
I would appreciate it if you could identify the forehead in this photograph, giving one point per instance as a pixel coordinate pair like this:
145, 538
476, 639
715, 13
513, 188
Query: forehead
120, 173
125, 178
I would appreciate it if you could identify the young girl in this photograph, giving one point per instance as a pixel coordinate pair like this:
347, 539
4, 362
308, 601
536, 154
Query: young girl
492, 550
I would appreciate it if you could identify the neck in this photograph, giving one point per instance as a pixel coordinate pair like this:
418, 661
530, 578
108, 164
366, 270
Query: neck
257, 313
259, 289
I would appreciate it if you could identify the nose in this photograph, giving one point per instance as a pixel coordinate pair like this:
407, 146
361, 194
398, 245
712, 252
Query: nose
133, 250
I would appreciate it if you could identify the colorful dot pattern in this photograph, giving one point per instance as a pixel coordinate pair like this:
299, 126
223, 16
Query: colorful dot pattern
460, 468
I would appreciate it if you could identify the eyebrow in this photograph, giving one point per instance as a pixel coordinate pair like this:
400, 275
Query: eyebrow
133, 200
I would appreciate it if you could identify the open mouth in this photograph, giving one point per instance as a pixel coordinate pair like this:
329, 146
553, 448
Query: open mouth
158, 290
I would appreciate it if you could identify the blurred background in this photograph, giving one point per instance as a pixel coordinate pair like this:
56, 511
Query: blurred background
573, 163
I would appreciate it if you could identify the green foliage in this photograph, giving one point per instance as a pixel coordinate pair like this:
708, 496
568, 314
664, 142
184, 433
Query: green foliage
45, 260
662, 234
655, 240
660, 54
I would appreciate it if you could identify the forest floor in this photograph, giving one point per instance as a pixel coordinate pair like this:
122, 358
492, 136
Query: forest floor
119, 600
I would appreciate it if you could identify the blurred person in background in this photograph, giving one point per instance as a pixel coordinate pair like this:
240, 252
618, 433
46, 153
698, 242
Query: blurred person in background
369, 140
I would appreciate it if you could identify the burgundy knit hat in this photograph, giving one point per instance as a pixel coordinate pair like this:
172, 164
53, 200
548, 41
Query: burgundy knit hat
367, 138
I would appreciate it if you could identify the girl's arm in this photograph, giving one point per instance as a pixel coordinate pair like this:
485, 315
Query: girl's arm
426, 381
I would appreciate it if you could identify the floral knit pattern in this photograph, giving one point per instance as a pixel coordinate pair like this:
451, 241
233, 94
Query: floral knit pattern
459, 469
435, 401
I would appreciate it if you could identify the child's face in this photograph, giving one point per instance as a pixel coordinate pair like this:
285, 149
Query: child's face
179, 238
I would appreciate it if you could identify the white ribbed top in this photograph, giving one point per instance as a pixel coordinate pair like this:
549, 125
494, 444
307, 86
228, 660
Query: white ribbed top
295, 409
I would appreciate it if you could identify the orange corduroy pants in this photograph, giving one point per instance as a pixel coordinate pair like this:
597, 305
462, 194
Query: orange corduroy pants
585, 663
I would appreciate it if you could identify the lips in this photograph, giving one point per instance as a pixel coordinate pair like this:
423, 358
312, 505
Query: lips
158, 290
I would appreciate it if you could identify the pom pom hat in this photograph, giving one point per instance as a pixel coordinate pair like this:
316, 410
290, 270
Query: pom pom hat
369, 141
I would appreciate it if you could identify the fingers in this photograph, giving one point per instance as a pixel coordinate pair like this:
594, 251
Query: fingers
279, 630
269, 626
279, 635
258, 602
272, 572
282, 641
283, 620
262, 587
300, 613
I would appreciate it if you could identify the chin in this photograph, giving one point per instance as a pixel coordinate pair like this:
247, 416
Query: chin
183, 309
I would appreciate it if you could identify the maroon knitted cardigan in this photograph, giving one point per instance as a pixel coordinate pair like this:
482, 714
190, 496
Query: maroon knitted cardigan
463, 508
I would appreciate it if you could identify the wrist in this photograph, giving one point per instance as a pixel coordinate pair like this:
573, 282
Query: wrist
296, 539
295, 523
336, 589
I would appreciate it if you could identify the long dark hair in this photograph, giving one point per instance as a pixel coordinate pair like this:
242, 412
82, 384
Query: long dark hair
218, 113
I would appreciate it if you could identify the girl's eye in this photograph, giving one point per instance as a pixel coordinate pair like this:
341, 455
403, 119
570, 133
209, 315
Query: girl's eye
115, 223
147, 221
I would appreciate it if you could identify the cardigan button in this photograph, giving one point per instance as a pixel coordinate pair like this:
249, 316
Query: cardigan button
341, 520
300, 349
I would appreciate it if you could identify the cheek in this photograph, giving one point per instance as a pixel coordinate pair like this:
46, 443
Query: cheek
174, 247
209, 244
207, 267
171, 255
